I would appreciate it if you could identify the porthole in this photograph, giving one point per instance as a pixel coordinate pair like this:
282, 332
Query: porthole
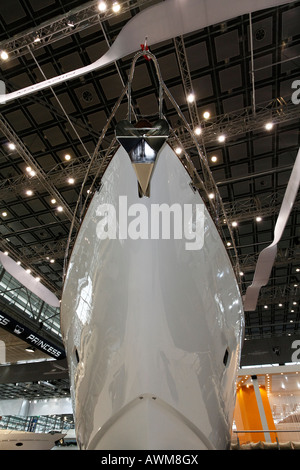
76, 356
225, 358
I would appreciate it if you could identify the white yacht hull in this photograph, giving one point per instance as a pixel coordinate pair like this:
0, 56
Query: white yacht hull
147, 323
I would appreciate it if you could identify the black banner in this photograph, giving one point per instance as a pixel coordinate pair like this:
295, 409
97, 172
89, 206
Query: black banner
30, 337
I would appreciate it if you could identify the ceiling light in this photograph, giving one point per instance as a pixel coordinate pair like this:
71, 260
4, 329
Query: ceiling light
71, 181
198, 130
211, 196
214, 158
30, 349
265, 306
279, 305
4, 55
4, 214
297, 269
178, 150
294, 303
19, 263
37, 279
206, 115
269, 126
191, 97
67, 157
30, 171
29, 192
221, 138
116, 7
52, 261
6, 253
258, 219
228, 244
60, 209
234, 224
102, 6
241, 273
53, 201
11, 146
28, 271
37, 39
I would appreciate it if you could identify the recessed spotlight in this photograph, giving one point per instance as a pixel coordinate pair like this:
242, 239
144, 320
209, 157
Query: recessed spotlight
297, 270
265, 306
29, 192
19, 263
206, 115
178, 150
191, 98
269, 126
228, 244
241, 273
234, 224
12, 146
198, 130
214, 158
37, 39
37, 279
52, 261
211, 196
6, 253
71, 181
102, 6
60, 209
4, 55
221, 138
116, 7
258, 219
28, 271
294, 303
4, 214
279, 305
67, 157
53, 201
30, 171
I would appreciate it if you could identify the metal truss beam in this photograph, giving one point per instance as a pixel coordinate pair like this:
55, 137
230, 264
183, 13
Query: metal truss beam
230, 125
285, 257
186, 80
65, 25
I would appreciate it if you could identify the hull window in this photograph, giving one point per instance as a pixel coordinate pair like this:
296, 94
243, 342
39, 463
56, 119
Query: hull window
76, 355
225, 358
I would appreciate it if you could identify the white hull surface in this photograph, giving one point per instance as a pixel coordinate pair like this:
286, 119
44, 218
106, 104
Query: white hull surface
150, 323
22, 440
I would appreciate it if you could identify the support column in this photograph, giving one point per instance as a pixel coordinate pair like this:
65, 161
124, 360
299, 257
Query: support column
261, 409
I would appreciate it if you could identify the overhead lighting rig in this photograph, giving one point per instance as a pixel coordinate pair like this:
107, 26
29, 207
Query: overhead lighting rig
74, 21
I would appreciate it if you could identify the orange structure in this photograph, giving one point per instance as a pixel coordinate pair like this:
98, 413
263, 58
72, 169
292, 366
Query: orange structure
247, 415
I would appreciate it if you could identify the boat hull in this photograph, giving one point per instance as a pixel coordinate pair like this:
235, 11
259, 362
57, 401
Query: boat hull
152, 325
